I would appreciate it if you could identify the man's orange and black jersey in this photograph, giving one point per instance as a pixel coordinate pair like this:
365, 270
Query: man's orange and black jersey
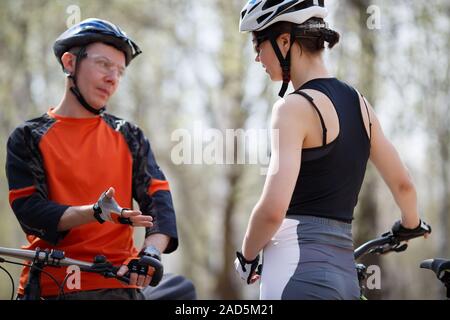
54, 162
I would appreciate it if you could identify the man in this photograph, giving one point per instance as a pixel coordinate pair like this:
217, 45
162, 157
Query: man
72, 170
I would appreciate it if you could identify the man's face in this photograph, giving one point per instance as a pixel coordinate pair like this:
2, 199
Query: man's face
99, 73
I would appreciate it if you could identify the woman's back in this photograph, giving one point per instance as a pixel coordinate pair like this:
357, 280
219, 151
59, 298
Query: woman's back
332, 172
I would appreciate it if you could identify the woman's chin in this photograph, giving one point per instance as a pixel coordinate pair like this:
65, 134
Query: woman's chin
275, 78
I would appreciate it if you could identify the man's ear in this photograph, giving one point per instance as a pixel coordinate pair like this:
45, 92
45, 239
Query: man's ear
68, 61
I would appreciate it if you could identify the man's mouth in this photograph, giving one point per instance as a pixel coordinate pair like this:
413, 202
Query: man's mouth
104, 91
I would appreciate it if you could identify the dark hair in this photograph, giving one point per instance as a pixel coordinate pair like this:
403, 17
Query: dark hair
310, 35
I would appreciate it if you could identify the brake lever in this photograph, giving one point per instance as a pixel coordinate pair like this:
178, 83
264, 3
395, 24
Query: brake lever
123, 278
400, 247
113, 274
381, 249
384, 249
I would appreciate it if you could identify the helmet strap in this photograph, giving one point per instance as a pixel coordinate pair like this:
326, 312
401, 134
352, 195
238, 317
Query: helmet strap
76, 91
285, 63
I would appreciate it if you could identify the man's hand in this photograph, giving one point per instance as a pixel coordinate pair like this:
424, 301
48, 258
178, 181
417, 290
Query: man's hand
107, 209
142, 275
139, 276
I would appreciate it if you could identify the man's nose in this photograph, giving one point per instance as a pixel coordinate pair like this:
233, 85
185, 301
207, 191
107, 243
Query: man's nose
112, 77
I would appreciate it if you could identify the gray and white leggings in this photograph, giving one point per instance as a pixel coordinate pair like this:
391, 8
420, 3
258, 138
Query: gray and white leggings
310, 258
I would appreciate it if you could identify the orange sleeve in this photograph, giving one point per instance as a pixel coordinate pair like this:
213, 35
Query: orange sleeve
157, 185
21, 193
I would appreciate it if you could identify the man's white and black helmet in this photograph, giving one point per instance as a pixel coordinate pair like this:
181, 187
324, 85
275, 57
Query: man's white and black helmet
259, 14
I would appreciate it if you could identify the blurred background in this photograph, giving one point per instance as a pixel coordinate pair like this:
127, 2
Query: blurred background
197, 68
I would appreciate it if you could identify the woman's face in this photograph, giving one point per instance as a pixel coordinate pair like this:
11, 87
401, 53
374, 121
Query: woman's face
267, 57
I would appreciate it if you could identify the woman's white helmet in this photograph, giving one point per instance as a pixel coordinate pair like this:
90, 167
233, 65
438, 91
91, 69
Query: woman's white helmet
259, 14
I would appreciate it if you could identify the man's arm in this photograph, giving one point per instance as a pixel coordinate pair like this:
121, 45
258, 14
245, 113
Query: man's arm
158, 240
76, 216
151, 191
28, 198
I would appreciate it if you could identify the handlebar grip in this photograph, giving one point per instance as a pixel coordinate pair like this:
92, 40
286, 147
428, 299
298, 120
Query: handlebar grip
427, 264
438, 266
157, 265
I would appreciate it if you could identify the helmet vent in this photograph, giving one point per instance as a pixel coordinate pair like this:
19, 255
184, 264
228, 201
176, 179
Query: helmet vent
264, 17
271, 3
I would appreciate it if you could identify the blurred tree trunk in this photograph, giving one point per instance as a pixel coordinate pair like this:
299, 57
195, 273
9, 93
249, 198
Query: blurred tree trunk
440, 124
423, 90
434, 79
368, 209
16, 104
232, 62
444, 210
428, 53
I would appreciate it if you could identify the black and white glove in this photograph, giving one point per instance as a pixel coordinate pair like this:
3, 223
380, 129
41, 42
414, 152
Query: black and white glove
247, 269
403, 233
107, 209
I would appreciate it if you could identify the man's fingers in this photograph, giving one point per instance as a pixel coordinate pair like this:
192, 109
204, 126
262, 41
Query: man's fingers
148, 279
131, 213
137, 218
122, 271
143, 224
142, 221
140, 280
133, 278
110, 192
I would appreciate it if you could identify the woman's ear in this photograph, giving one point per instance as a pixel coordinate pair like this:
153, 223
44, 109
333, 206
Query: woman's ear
284, 42
68, 61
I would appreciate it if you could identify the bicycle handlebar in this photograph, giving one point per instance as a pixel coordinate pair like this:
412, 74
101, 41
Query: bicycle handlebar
388, 242
54, 255
100, 265
440, 267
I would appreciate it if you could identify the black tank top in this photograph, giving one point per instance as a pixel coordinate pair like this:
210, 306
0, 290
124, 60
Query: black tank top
331, 176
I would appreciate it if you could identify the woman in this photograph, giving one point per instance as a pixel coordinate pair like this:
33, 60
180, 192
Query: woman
327, 131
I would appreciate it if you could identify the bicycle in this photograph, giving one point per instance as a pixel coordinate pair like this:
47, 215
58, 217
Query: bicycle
441, 267
391, 241
41, 259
